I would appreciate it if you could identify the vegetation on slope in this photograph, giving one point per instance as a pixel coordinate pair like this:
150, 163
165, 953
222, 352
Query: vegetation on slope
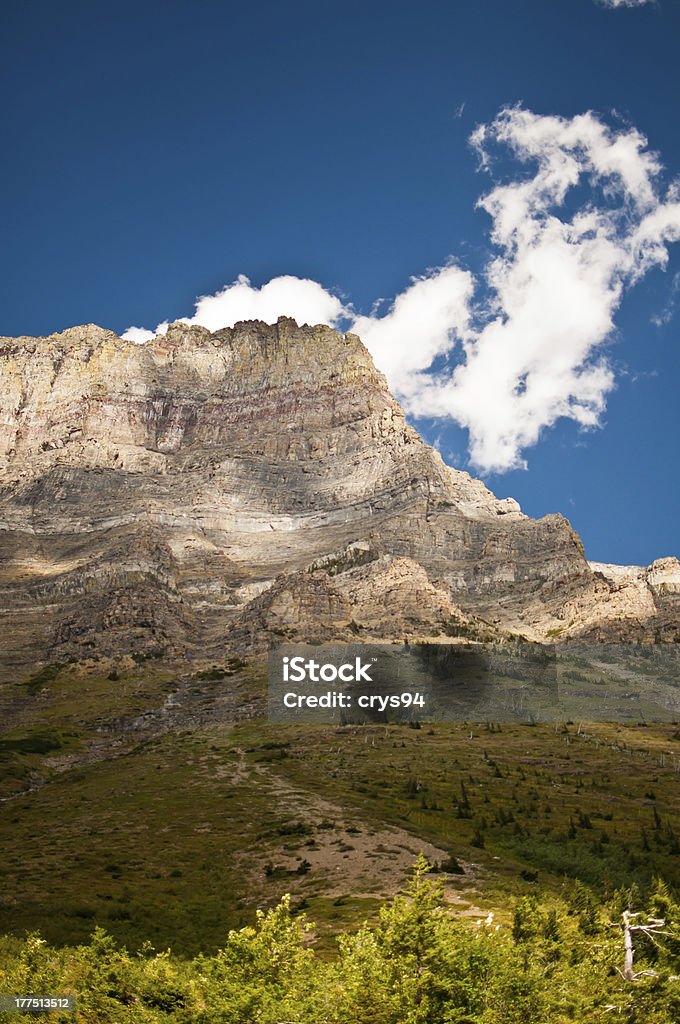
557, 961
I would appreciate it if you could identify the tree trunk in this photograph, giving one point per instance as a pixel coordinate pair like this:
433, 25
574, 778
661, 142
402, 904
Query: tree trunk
628, 947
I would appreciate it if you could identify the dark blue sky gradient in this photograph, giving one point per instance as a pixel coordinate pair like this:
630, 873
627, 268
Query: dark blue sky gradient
153, 151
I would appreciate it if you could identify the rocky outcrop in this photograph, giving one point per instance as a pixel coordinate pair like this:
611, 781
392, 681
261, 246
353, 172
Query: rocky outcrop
383, 598
638, 602
203, 490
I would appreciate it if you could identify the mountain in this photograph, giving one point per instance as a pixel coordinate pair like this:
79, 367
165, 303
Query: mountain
206, 494
168, 511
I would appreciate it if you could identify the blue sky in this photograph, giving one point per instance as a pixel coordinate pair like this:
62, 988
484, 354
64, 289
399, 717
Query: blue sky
154, 152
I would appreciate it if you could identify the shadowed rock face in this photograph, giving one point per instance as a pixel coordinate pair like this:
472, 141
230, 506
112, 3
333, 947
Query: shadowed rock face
205, 491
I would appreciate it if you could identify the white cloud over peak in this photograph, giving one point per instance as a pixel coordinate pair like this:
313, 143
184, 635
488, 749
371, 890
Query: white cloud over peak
306, 301
420, 326
508, 355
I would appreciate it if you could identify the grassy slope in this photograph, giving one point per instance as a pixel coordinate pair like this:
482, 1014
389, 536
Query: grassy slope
176, 836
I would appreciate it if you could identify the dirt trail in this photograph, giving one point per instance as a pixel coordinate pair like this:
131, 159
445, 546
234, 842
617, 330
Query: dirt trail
344, 855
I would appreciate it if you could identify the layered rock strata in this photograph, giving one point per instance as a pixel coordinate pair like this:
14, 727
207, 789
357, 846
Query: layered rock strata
202, 491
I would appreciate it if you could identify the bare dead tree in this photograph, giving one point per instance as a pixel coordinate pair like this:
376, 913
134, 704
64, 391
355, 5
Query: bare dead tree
652, 926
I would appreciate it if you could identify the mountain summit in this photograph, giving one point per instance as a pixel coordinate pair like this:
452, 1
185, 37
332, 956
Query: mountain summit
204, 493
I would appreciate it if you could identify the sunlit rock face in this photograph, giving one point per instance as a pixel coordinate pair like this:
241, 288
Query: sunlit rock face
204, 492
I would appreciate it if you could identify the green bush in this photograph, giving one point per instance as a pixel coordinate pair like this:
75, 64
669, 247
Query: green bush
557, 961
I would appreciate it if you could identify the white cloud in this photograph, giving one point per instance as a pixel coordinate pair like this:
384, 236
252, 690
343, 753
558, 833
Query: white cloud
139, 334
553, 287
421, 325
306, 301
582, 221
624, 3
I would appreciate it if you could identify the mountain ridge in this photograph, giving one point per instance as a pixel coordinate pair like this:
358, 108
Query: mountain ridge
159, 499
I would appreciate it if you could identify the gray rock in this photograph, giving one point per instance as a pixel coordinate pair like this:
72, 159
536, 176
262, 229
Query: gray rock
202, 491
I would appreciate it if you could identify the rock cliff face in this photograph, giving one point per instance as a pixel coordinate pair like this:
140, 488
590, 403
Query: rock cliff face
204, 492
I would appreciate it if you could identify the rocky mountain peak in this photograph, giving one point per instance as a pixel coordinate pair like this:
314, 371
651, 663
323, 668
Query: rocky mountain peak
150, 493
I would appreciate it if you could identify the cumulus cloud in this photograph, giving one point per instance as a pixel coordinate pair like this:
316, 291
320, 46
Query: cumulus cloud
420, 326
535, 351
306, 301
506, 356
